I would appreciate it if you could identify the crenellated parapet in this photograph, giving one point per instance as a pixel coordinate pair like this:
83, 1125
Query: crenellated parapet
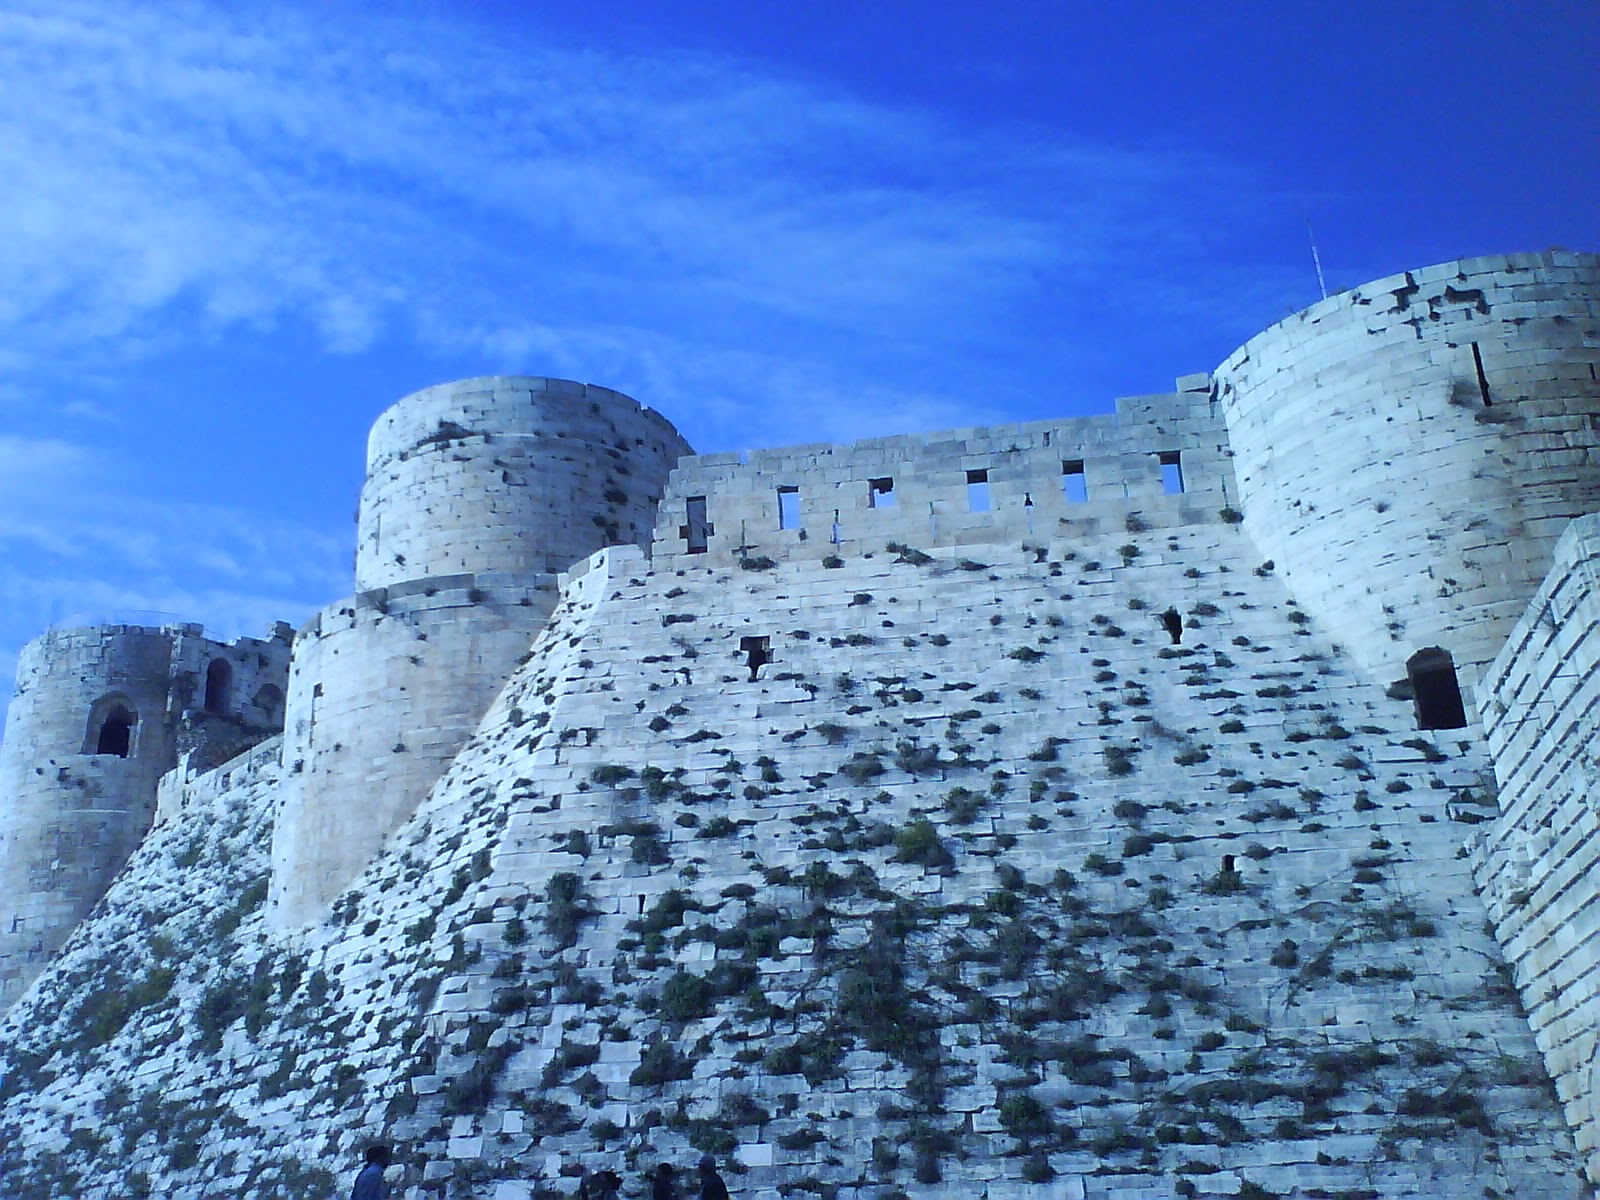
1159, 461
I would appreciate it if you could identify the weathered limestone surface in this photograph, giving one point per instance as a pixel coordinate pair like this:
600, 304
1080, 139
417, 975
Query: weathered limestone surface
510, 474
1415, 501
477, 493
72, 815
1540, 859
1004, 812
737, 867
1028, 472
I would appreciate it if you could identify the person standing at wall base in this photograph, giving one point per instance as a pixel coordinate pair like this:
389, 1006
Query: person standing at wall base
711, 1185
369, 1183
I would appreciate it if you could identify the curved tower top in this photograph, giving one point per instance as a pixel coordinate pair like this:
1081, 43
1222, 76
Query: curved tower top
511, 474
1409, 451
478, 494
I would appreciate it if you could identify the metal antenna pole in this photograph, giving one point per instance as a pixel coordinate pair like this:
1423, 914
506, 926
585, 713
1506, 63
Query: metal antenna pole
1316, 260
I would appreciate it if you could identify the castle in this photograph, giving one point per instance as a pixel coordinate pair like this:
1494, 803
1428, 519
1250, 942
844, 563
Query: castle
1357, 564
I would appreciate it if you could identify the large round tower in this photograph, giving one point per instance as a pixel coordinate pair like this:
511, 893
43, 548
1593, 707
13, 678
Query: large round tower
1409, 452
99, 715
477, 495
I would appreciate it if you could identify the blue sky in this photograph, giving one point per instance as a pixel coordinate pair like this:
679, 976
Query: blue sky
230, 235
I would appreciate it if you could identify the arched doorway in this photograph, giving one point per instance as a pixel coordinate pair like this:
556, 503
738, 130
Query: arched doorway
219, 686
114, 734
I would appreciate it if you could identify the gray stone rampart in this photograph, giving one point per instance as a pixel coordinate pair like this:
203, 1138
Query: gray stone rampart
478, 494
1411, 501
385, 688
509, 474
930, 503
1539, 861
185, 789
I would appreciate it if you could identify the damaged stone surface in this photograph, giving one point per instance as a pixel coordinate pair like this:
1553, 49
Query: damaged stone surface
1057, 841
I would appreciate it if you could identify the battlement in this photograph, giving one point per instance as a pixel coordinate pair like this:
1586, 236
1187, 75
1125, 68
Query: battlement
1158, 461
1004, 675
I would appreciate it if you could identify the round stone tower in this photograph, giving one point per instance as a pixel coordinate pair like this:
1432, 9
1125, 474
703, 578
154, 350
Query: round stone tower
99, 715
1409, 452
477, 495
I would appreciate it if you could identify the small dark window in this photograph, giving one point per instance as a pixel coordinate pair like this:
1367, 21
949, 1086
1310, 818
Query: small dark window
788, 508
880, 493
757, 653
1171, 472
1435, 691
116, 732
977, 491
698, 530
1073, 485
219, 685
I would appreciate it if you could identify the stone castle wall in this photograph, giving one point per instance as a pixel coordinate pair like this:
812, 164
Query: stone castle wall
1410, 451
958, 487
1095, 1001
384, 690
508, 474
477, 494
1539, 860
77, 808
1177, 813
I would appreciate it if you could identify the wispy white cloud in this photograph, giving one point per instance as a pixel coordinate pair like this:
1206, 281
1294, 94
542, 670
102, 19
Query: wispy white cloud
764, 258
78, 550
256, 164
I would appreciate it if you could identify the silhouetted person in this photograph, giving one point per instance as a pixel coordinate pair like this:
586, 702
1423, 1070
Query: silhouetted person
664, 1183
711, 1185
369, 1183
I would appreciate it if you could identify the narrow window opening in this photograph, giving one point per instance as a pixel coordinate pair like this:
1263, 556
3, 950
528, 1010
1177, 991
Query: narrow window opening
880, 493
1483, 379
1173, 624
641, 906
977, 491
697, 530
1435, 690
788, 508
757, 653
316, 690
219, 683
1073, 485
1171, 472
1227, 862
116, 732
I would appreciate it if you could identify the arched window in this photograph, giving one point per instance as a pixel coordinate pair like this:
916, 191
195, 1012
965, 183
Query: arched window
1434, 689
219, 683
111, 726
269, 704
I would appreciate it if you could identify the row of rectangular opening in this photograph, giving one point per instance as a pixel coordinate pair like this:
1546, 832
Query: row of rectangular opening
880, 494
1074, 487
